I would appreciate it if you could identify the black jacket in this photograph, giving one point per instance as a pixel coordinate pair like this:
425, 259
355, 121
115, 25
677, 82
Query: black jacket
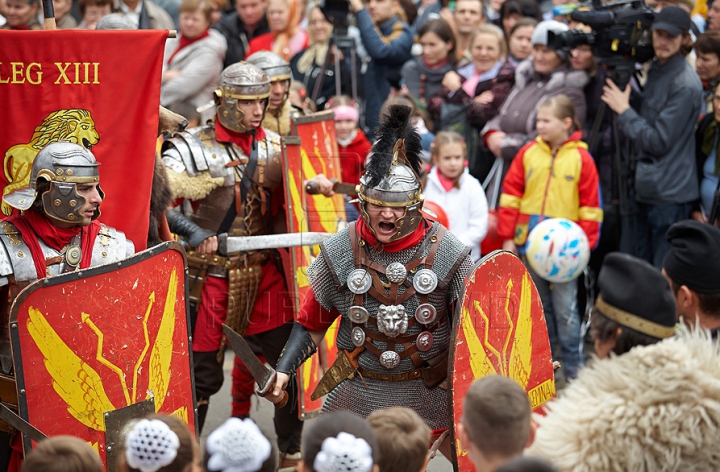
238, 40
327, 89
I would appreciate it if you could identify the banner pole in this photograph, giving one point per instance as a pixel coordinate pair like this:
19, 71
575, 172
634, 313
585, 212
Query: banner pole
49, 14
171, 33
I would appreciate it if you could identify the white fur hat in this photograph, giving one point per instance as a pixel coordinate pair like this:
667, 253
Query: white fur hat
655, 408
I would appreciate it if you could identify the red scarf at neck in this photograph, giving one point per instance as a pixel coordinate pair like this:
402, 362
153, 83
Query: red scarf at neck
185, 42
413, 239
33, 226
243, 140
435, 66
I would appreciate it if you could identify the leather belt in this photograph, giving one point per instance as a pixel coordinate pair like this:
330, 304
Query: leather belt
412, 375
219, 265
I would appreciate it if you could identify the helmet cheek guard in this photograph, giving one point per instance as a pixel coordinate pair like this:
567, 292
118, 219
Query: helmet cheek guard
63, 203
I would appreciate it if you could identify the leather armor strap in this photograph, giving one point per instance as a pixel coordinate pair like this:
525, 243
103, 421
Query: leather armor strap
245, 185
430, 259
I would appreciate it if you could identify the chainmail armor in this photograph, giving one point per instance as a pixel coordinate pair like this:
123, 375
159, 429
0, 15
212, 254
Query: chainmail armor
352, 394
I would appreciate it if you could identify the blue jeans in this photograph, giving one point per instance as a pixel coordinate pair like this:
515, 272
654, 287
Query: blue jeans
643, 235
559, 303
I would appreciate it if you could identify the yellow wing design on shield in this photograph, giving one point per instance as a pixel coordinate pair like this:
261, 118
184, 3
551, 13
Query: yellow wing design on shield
161, 355
521, 352
78, 384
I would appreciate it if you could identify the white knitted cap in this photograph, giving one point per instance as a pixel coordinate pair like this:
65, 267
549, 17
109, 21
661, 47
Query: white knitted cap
345, 453
237, 446
151, 445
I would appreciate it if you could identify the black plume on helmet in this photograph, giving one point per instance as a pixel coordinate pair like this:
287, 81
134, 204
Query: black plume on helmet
395, 125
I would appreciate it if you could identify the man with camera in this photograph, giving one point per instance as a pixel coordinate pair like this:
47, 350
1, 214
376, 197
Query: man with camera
662, 135
388, 42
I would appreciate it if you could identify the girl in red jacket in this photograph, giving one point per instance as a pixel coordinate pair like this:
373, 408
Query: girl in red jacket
352, 144
553, 177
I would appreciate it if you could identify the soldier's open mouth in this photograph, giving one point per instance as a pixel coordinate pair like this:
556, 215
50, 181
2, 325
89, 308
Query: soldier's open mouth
387, 227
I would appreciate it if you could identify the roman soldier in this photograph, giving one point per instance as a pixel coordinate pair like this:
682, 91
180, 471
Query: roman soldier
56, 232
230, 176
394, 278
279, 107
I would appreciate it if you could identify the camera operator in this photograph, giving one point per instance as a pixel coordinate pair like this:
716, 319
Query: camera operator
388, 42
662, 134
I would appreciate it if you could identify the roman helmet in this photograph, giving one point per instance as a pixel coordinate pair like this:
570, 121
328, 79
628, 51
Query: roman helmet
240, 81
64, 165
392, 174
277, 68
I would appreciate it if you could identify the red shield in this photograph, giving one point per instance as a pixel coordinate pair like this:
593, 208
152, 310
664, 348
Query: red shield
88, 343
499, 329
313, 152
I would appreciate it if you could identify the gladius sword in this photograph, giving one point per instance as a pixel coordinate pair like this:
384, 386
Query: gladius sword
232, 244
264, 376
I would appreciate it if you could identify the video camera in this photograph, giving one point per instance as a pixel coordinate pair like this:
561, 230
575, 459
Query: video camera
620, 38
337, 12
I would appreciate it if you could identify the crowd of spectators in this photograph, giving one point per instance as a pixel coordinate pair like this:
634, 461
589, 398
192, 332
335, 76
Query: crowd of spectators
636, 164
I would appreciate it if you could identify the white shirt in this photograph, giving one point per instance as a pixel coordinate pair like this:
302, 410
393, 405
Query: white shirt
466, 208
132, 15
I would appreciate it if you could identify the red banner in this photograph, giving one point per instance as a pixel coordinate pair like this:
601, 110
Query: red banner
100, 89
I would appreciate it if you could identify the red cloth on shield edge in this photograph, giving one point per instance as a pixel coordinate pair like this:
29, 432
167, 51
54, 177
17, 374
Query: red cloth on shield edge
80, 77
273, 308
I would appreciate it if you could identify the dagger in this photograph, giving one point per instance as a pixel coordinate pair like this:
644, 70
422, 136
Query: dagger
264, 376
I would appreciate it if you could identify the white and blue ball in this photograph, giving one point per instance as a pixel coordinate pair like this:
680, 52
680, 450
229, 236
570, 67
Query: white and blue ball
558, 250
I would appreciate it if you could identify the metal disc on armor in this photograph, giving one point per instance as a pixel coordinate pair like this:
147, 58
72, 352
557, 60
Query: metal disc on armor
426, 314
424, 341
73, 255
425, 281
359, 281
358, 336
358, 314
396, 273
390, 359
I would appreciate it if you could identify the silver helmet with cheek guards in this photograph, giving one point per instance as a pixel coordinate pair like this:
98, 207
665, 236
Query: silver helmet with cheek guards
240, 81
64, 166
391, 178
276, 68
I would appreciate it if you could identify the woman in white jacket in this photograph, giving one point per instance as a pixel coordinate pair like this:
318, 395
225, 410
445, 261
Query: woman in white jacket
459, 194
193, 60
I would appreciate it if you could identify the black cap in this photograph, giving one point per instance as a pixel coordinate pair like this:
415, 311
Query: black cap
635, 294
694, 256
674, 20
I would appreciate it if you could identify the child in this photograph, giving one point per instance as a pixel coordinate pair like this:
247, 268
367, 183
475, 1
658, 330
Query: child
352, 144
239, 445
339, 442
495, 426
403, 439
553, 177
63, 454
160, 443
450, 185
